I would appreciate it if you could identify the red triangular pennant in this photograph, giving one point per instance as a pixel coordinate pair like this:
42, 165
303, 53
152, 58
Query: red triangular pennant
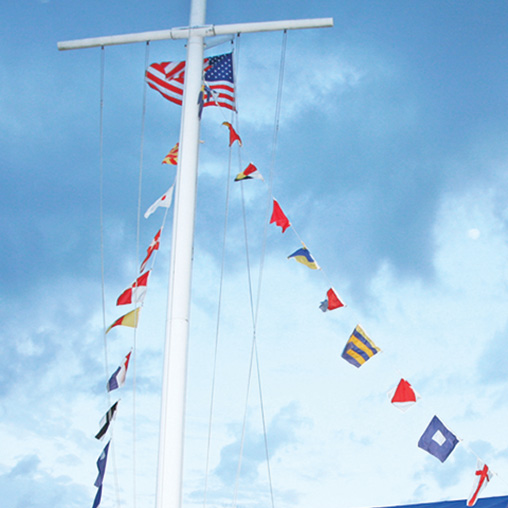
278, 217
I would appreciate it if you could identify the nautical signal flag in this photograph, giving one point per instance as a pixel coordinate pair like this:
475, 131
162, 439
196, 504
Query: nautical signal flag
332, 301
303, 256
403, 396
117, 379
101, 465
98, 497
168, 79
359, 348
278, 217
233, 136
248, 173
129, 319
106, 421
438, 440
482, 477
164, 202
152, 247
136, 293
172, 156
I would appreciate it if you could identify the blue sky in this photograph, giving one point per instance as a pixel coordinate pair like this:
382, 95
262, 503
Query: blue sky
391, 164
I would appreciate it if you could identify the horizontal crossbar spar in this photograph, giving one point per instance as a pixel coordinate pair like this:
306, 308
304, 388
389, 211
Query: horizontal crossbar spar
200, 31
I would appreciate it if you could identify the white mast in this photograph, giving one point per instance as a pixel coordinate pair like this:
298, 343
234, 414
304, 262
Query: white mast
170, 468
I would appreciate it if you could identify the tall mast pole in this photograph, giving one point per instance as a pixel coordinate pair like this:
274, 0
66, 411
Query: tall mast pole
170, 470
171, 438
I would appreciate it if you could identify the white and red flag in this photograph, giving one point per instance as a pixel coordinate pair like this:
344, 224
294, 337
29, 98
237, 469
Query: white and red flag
403, 396
153, 246
164, 201
136, 293
482, 477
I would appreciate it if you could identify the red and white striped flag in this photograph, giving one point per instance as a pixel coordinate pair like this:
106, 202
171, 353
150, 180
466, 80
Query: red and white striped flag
219, 86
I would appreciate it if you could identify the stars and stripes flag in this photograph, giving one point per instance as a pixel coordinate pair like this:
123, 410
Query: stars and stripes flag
219, 87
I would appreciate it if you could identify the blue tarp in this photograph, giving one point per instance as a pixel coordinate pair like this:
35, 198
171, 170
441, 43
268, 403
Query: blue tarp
486, 502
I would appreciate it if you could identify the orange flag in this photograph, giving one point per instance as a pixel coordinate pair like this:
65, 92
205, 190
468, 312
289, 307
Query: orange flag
233, 136
278, 217
172, 156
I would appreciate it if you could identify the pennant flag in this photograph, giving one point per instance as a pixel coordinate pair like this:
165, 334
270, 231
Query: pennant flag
106, 420
303, 256
164, 201
101, 465
168, 79
278, 217
482, 477
248, 173
403, 396
172, 156
117, 379
233, 136
359, 348
438, 440
129, 319
153, 246
332, 301
98, 496
136, 293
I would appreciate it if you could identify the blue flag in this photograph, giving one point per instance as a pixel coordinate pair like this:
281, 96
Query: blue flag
438, 440
98, 496
101, 465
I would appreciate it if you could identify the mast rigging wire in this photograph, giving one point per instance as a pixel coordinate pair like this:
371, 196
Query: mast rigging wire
101, 220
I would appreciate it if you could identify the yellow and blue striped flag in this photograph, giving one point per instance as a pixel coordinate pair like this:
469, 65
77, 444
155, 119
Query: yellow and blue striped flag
359, 348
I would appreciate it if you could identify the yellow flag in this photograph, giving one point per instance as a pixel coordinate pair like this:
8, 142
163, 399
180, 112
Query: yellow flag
129, 319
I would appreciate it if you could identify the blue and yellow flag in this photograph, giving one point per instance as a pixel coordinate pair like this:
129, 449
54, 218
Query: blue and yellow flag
359, 348
303, 256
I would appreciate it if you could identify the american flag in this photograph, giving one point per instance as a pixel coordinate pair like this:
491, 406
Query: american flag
168, 79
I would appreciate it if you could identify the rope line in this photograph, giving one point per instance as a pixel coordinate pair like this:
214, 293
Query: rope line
135, 329
217, 330
103, 285
255, 307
